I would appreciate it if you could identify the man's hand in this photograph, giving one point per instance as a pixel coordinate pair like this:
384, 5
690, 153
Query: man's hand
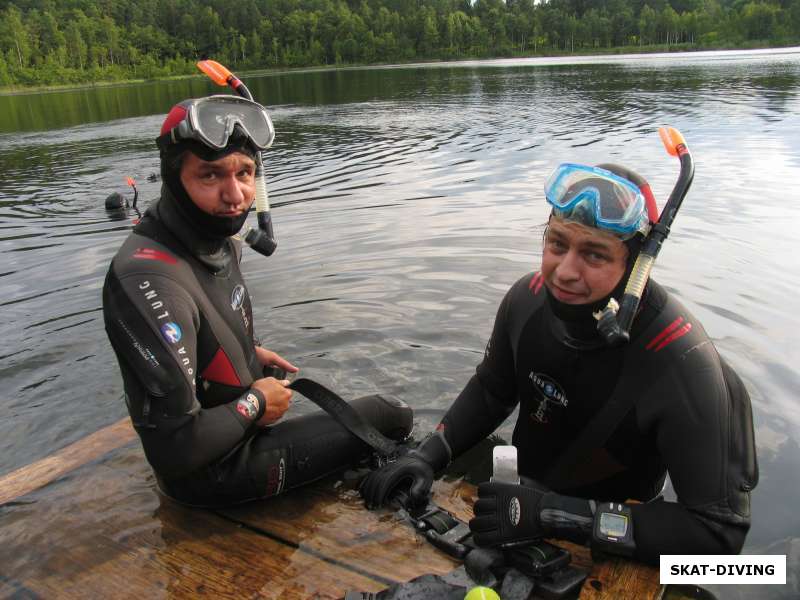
268, 358
412, 473
408, 473
505, 512
277, 396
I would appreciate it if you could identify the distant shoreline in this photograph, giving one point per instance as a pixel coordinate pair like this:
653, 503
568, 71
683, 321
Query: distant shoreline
618, 52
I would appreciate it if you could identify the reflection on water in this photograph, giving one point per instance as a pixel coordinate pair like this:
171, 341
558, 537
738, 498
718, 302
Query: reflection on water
407, 200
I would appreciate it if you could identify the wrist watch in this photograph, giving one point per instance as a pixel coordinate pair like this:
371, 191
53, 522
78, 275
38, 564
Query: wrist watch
612, 532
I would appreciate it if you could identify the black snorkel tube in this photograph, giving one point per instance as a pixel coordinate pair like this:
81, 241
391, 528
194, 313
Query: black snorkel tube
262, 240
614, 321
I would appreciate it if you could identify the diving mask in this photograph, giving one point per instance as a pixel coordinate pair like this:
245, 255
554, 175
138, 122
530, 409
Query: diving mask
597, 198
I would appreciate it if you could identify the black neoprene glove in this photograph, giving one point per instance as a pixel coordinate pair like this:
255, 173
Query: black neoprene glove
412, 473
506, 512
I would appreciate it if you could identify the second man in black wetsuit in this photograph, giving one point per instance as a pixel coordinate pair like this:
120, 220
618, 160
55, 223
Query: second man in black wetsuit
690, 415
180, 320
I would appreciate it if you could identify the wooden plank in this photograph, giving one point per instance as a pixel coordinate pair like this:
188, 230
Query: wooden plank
622, 579
105, 532
342, 526
31, 477
334, 523
318, 541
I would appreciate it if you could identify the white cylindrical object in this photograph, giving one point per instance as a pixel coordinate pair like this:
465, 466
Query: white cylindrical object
639, 275
262, 198
504, 464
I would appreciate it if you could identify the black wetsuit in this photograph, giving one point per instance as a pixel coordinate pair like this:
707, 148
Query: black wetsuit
693, 418
180, 321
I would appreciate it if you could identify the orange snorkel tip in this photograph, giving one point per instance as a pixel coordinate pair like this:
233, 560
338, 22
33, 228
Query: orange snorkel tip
215, 71
673, 141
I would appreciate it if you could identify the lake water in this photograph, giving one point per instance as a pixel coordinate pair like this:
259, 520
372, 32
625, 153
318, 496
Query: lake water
406, 201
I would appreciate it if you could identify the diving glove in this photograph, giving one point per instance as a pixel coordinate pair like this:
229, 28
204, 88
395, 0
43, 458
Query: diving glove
411, 474
507, 513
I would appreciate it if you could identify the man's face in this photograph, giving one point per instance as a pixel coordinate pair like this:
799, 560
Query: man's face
221, 188
580, 264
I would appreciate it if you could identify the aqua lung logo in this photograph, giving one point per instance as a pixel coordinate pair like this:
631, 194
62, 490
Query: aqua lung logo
169, 330
514, 511
237, 297
550, 394
237, 303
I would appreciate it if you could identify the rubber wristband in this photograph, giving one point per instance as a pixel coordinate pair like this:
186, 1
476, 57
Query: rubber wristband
262, 403
250, 406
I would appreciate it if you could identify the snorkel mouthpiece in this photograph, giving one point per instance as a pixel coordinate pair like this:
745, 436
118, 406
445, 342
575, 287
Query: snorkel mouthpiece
614, 321
262, 240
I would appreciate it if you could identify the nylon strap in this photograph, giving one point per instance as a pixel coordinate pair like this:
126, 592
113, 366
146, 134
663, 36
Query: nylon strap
345, 415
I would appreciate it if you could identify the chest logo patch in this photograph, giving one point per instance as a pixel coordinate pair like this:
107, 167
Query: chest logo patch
237, 297
550, 394
171, 332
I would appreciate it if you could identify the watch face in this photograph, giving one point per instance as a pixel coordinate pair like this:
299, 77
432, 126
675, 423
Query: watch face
612, 525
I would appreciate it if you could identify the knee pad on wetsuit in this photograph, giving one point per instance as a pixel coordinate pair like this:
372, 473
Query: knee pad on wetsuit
391, 416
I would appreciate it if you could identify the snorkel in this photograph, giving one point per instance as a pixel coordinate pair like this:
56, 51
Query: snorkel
130, 181
614, 321
262, 240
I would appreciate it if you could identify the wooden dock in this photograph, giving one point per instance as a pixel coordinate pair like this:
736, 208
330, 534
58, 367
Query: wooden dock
88, 522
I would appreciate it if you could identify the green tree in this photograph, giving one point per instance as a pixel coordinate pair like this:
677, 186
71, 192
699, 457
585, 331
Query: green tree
210, 32
759, 20
45, 29
44, 41
623, 25
14, 35
76, 47
647, 25
429, 39
5, 75
668, 25
108, 37
255, 49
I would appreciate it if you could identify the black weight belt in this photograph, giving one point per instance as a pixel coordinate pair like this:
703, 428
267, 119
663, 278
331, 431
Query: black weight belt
345, 415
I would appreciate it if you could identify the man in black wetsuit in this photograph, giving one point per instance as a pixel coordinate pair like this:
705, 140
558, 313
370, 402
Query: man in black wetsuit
689, 412
180, 320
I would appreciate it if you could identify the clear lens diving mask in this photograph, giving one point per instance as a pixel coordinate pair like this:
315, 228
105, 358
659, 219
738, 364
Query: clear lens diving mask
213, 119
597, 198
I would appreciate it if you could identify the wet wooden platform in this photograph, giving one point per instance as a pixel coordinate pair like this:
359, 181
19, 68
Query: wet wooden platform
89, 524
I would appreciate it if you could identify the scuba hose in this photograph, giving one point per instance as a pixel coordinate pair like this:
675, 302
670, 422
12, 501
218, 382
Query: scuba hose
262, 240
614, 321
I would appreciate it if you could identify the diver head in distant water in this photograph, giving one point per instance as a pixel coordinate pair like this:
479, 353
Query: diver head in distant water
209, 148
117, 202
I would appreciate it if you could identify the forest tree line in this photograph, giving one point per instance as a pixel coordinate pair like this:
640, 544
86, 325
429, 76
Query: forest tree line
44, 42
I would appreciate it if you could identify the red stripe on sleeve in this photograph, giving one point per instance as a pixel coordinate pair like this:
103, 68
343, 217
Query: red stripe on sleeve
678, 334
664, 333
